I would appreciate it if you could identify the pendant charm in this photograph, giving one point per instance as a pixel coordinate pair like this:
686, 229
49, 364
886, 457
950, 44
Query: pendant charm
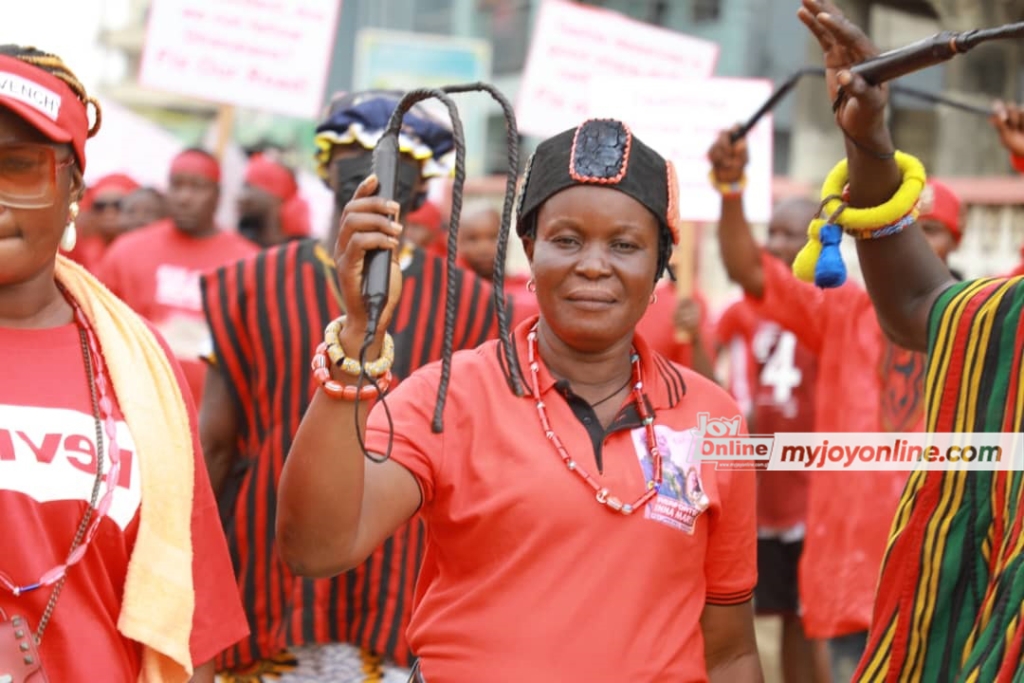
19, 653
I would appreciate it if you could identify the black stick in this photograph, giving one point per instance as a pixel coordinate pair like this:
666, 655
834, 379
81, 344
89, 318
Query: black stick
774, 100
791, 82
940, 99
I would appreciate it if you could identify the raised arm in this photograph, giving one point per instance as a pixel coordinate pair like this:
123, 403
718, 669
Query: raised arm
903, 275
334, 507
741, 254
689, 317
1008, 120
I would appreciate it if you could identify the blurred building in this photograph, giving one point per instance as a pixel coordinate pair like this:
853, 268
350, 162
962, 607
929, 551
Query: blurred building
758, 39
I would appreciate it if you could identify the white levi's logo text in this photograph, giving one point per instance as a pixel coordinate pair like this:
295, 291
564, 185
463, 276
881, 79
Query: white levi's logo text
31, 93
50, 454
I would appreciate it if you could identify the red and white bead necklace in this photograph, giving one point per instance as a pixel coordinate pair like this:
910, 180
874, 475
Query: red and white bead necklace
603, 495
103, 412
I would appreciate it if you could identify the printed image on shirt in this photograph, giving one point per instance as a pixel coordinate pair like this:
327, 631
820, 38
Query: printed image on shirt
681, 498
50, 454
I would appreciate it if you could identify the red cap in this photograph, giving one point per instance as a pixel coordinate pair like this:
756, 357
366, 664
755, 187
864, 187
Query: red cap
191, 162
46, 103
271, 177
427, 215
939, 203
295, 221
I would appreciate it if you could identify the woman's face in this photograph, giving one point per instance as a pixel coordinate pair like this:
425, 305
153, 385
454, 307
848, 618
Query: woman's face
593, 259
29, 238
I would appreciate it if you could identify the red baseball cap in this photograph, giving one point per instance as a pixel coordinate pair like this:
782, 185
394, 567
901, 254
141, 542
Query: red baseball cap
939, 203
46, 103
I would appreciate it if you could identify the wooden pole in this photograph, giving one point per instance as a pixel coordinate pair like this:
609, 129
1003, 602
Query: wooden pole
225, 129
683, 260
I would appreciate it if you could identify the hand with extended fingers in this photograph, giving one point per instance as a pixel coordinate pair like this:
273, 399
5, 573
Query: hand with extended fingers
859, 107
1008, 120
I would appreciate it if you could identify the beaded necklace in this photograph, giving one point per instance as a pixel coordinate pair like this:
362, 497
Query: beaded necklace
604, 497
102, 408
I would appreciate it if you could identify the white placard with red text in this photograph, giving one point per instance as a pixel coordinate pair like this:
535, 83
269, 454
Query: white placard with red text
574, 46
681, 120
270, 55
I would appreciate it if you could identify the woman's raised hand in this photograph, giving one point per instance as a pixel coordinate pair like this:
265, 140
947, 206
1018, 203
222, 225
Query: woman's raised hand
861, 113
367, 222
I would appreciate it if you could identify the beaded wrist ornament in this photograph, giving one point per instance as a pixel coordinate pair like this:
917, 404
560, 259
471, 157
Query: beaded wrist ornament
820, 260
733, 189
345, 392
351, 366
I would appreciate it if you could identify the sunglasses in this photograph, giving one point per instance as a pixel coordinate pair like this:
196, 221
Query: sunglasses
101, 205
28, 175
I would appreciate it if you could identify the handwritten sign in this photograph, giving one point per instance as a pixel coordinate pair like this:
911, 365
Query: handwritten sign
271, 55
574, 45
681, 120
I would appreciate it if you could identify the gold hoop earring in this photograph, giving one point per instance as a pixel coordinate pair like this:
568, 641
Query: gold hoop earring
70, 237
531, 286
654, 298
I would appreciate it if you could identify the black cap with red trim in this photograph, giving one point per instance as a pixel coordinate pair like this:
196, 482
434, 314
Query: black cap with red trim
600, 152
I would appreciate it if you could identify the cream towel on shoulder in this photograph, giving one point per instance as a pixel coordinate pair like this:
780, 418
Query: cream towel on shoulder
159, 596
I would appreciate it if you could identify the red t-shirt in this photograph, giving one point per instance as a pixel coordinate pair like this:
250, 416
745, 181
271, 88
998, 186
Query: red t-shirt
866, 384
47, 469
526, 577
156, 270
773, 376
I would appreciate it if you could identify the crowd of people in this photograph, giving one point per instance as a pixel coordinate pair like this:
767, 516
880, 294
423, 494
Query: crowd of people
249, 486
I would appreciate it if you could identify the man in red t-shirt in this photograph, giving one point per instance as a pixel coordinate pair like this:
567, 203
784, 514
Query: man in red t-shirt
772, 376
867, 384
156, 269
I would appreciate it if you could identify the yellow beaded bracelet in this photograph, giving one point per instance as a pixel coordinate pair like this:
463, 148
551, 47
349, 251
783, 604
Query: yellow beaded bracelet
351, 366
733, 189
820, 260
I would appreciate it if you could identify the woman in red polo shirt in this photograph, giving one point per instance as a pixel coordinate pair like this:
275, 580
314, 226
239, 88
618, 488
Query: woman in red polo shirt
572, 532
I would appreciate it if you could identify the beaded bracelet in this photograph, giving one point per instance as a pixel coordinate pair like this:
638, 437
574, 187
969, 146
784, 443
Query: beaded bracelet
885, 231
820, 260
344, 392
888, 213
733, 189
350, 366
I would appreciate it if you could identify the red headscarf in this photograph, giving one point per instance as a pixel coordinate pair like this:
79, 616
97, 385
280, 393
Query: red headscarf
939, 203
192, 162
271, 177
275, 179
115, 182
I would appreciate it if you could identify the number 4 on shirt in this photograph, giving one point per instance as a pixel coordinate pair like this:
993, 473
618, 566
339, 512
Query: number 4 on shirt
779, 371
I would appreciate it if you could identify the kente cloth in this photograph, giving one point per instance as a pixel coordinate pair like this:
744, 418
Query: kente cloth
951, 593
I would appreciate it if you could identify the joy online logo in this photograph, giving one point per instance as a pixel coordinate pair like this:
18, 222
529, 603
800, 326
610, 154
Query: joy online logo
719, 440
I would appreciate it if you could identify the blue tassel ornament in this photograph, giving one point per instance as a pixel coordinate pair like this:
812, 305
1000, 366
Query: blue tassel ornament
830, 271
